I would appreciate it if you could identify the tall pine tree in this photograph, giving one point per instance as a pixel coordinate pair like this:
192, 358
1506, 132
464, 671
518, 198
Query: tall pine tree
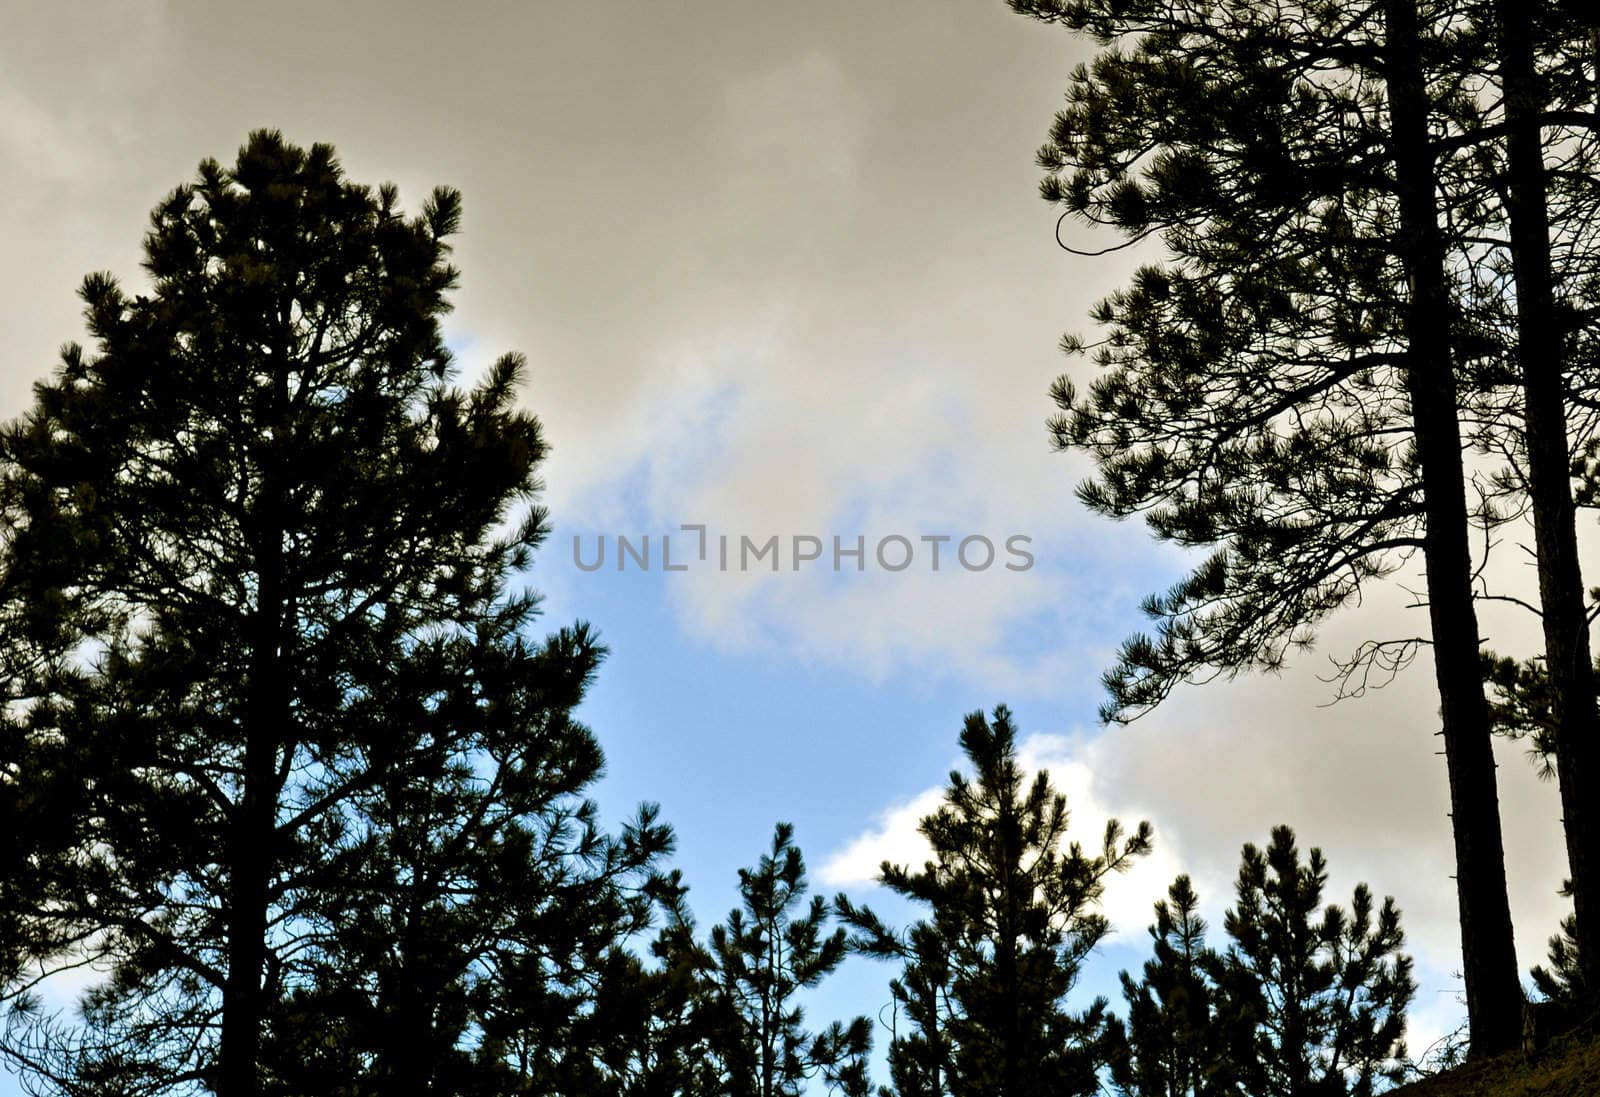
1284, 387
478, 905
1544, 346
261, 555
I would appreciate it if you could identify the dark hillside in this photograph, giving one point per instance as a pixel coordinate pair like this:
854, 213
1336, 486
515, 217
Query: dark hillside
1570, 1067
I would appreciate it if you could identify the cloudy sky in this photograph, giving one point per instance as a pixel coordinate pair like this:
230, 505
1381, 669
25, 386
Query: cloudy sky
780, 269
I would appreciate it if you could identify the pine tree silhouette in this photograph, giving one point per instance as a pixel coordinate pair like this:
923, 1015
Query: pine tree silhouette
1011, 917
1292, 383
306, 782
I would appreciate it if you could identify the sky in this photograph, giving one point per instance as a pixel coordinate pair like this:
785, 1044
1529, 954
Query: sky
778, 270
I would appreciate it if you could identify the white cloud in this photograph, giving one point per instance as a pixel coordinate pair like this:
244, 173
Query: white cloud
1220, 765
892, 838
762, 429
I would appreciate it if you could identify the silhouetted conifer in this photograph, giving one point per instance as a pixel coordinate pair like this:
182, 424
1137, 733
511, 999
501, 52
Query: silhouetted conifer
1179, 1039
754, 967
1307, 1000
1524, 38
665, 1015
1326, 989
309, 784
1563, 980
483, 908
1286, 385
1012, 914
919, 1046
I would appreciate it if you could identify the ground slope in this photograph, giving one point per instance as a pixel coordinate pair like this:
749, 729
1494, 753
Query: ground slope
1570, 1067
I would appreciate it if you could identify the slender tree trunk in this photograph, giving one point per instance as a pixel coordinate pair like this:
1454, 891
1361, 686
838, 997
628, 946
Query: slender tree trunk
242, 999
250, 868
1561, 594
1489, 963
771, 1008
409, 1061
253, 829
1008, 948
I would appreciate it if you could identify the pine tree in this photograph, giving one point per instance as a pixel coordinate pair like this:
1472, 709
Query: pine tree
259, 549
1562, 981
919, 1053
1543, 337
1488, 951
1011, 917
1307, 1000
1325, 989
1520, 707
754, 967
1284, 387
662, 1014
1179, 1042
480, 906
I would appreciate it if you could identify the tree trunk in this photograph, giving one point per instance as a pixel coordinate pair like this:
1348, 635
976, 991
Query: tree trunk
243, 1005
1489, 963
250, 869
408, 1060
1541, 355
252, 833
